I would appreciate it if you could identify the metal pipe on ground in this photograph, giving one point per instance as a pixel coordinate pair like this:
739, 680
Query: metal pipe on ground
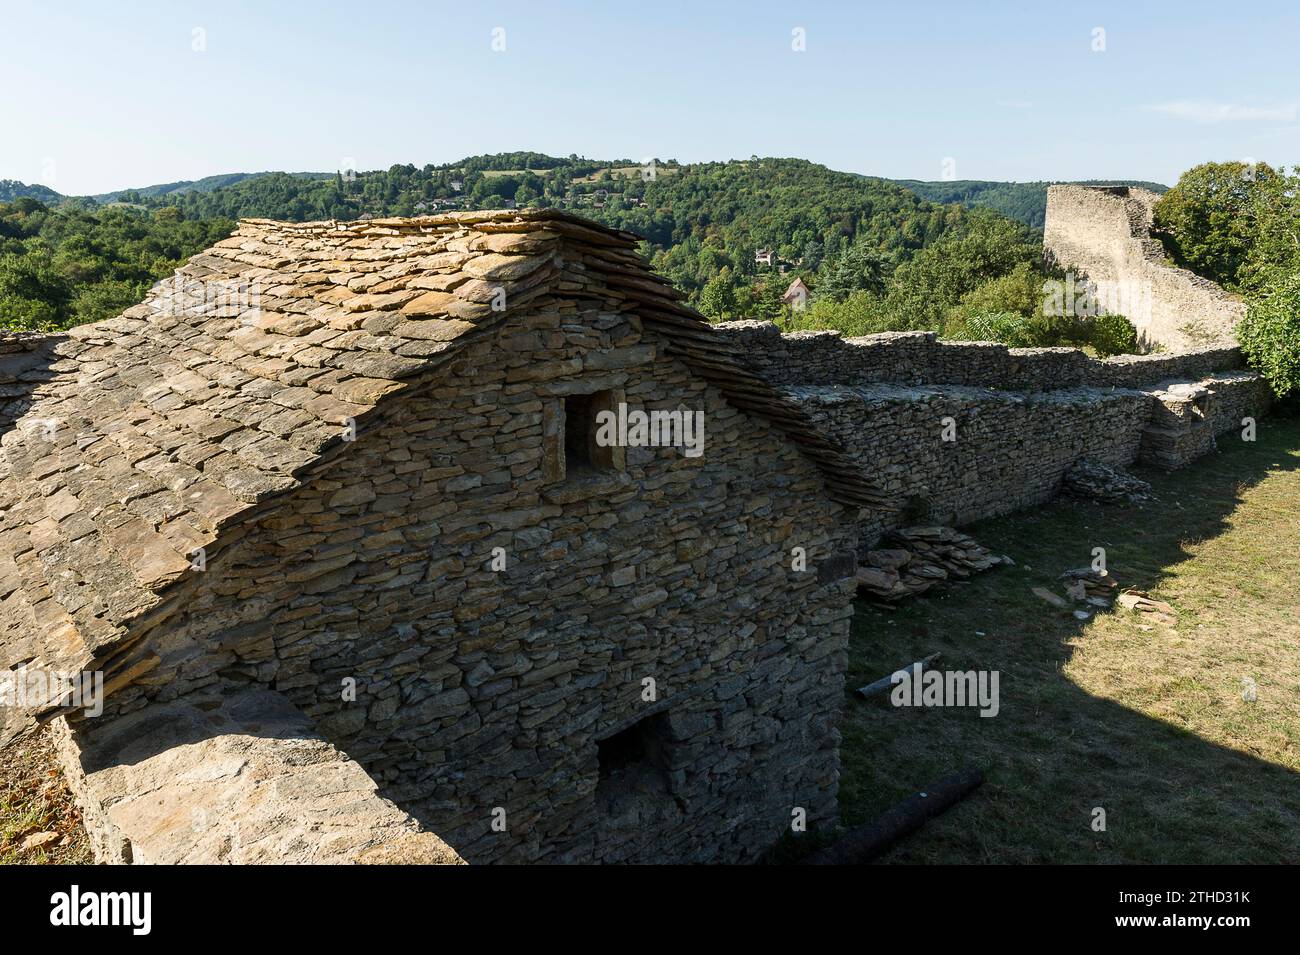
885, 682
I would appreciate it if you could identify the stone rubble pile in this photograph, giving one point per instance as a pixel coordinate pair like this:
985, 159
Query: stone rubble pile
1093, 480
1144, 603
1093, 587
1099, 590
920, 558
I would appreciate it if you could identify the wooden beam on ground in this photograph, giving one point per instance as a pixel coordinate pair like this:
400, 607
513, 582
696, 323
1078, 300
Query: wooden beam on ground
866, 842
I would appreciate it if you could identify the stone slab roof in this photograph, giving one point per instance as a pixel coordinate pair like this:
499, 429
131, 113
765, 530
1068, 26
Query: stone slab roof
129, 443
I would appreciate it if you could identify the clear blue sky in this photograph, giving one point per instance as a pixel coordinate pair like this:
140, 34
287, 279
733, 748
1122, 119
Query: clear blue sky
101, 96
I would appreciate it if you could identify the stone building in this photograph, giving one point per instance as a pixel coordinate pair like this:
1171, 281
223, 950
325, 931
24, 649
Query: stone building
797, 295
461, 538
329, 515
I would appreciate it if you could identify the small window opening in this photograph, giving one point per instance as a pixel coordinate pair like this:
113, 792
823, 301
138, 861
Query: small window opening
633, 762
583, 454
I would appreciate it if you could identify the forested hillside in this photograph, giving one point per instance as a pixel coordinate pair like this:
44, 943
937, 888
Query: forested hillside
732, 235
1023, 201
11, 189
164, 189
66, 266
700, 222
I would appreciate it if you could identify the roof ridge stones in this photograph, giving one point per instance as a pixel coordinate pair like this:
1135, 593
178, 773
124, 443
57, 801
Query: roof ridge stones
147, 438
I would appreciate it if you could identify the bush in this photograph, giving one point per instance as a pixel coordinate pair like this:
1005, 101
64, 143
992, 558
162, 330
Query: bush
1019, 291
1112, 335
1009, 328
1105, 334
94, 303
1270, 333
33, 295
26, 315
859, 314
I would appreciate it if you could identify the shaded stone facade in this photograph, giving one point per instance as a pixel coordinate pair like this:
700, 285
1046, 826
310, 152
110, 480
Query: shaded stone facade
480, 688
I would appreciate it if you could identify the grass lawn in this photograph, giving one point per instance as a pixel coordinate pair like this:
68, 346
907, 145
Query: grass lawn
1149, 724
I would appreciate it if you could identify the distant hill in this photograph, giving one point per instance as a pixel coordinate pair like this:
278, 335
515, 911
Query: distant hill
1024, 201
741, 222
206, 184
11, 189
300, 195
878, 254
698, 220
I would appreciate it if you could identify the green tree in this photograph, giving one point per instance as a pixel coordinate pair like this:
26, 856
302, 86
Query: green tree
1018, 292
1013, 329
859, 314
1270, 333
33, 295
718, 297
1210, 220
859, 269
985, 247
767, 301
1112, 335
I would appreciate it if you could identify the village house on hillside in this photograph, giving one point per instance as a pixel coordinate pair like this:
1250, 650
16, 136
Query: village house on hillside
339, 489
797, 295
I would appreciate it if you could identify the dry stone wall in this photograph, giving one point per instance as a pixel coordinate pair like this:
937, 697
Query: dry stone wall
920, 358
515, 695
1007, 451
1104, 232
961, 431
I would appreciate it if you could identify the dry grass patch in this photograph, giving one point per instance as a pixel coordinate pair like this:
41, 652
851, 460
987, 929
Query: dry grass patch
39, 822
1148, 724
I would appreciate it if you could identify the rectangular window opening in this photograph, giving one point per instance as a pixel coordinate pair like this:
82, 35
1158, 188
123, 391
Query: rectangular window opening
583, 454
633, 763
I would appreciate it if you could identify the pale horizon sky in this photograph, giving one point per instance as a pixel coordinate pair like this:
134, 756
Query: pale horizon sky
106, 97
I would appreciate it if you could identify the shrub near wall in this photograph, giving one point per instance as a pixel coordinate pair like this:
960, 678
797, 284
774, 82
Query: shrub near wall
1270, 334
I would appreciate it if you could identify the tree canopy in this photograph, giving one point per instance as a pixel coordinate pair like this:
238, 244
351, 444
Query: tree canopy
1239, 224
66, 266
875, 255
1211, 220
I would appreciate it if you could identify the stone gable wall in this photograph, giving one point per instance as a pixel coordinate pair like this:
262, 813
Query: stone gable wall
1104, 233
478, 688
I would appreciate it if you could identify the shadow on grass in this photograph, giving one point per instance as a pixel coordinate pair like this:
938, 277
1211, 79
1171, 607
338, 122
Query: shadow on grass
1056, 752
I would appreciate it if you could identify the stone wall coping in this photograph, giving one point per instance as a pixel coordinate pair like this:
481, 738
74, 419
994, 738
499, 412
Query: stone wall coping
920, 357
